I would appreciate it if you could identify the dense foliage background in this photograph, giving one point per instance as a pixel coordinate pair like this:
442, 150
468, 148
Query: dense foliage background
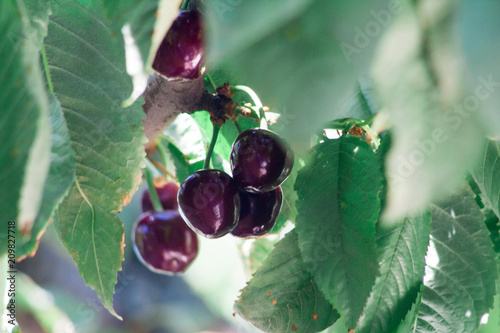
391, 107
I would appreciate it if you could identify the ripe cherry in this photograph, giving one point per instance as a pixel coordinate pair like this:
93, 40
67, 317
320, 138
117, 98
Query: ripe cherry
167, 194
181, 52
259, 212
164, 243
209, 202
260, 160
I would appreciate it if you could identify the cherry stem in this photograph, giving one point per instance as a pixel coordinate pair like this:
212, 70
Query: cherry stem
162, 168
256, 102
238, 126
152, 191
210, 151
212, 81
184, 4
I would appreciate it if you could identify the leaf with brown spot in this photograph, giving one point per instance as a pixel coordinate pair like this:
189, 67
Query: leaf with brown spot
294, 295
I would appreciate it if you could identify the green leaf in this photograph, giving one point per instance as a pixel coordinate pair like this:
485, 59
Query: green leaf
461, 270
422, 89
24, 121
183, 169
186, 135
86, 64
94, 238
338, 207
486, 173
149, 21
478, 27
408, 324
282, 297
61, 177
402, 263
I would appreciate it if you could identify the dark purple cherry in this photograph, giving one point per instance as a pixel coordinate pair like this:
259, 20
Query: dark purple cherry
260, 160
259, 212
167, 194
181, 52
164, 243
209, 202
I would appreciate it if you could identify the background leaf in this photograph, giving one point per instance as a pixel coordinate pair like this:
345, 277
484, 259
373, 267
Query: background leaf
486, 174
183, 169
479, 39
107, 139
461, 269
421, 86
280, 51
24, 120
408, 324
48, 315
282, 297
402, 263
338, 206
61, 177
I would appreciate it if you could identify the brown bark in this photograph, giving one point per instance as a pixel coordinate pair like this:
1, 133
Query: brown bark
164, 99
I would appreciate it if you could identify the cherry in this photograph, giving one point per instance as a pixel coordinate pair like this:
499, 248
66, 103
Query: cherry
260, 160
181, 52
209, 202
164, 243
259, 212
167, 194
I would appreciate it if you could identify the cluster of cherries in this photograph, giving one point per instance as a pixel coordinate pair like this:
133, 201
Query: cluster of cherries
209, 202
213, 204
247, 204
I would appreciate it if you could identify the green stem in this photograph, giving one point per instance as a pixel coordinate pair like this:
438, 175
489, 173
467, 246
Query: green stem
212, 82
238, 126
163, 153
152, 191
184, 4
210, 151
46, 68
256, 102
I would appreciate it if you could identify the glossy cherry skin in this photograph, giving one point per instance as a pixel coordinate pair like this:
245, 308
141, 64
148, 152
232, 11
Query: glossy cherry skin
260, 160
259, 212
209, 202
167, 194
164, 243
181, 52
